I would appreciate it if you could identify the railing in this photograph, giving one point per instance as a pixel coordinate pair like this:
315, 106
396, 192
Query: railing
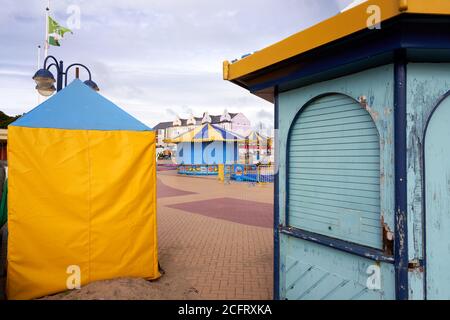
198, 169
266, 173
252, 173
238, 172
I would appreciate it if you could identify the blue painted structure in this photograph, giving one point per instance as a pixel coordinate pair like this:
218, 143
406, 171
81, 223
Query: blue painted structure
207, 153
207, 145
362, 198
78, 107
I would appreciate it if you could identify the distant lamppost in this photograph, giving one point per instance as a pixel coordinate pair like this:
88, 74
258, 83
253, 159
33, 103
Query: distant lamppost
45, 80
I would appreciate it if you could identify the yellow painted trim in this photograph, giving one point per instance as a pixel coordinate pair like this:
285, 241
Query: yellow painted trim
403, 5
429, 6
226, 69
332, 29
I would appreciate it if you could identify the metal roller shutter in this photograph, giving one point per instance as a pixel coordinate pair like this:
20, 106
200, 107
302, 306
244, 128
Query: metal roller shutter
334, 171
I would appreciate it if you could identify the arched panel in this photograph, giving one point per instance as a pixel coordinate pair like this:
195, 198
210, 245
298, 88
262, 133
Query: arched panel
334, 171
437, 202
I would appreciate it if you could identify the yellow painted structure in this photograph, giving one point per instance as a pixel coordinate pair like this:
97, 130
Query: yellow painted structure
221, 174
79, 200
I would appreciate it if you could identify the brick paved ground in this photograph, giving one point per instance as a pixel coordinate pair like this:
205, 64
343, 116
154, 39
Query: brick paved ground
220, 259
247, 212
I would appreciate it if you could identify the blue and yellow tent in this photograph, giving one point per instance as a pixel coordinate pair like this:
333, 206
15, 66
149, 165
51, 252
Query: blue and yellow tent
206, 133
82, 195
254, 137
257, 142
208, 144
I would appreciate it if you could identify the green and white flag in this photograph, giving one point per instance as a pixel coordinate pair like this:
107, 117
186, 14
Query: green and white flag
55, 32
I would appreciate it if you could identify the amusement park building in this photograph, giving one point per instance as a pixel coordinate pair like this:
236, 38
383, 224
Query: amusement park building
235, 122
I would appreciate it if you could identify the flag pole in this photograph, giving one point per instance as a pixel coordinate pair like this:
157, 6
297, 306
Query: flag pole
38, 57
38, 67
46, 45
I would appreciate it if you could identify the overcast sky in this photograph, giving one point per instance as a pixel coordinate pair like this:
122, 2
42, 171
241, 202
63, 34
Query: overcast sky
155, 59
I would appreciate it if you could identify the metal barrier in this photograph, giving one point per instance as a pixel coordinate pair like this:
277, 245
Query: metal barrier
239, 172
198, 170
266, 173
252, 173
227, 173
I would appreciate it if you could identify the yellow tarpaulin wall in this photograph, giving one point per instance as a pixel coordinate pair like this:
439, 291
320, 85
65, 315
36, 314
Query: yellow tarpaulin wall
82, 198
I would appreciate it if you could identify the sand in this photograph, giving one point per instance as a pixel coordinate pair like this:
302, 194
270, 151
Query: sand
131, 289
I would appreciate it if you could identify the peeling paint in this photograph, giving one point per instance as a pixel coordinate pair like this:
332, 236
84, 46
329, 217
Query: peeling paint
388, 238
374, 114
415, 265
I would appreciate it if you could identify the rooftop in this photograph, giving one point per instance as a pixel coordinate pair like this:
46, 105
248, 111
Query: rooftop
332, 29
168, 124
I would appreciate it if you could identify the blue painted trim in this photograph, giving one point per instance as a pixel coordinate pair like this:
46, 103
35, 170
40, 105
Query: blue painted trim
424, 199
202, 134
341, 245
224, 152
276, 205
363, 47
338, 59
222, 132
401, 204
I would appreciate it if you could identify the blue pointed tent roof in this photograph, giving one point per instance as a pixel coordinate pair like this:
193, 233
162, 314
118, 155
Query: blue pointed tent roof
79, 107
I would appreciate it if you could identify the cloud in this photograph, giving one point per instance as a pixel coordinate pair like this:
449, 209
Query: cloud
153, 58
171, 112
263, 114
349, 3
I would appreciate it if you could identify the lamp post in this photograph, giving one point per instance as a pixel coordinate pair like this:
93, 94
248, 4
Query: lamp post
45, 80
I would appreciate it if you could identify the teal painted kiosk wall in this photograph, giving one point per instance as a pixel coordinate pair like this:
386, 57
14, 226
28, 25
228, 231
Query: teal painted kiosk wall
362, 191
334, 199
336, 180
310, 270
428, 161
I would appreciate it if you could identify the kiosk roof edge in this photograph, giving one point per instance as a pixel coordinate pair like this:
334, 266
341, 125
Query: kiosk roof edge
334, 28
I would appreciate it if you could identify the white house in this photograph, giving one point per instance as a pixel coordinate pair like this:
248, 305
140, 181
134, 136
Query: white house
234, 122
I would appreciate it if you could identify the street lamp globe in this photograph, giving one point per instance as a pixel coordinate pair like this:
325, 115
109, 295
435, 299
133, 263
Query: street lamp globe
92, 84
44, 82
44, 78
46, 91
